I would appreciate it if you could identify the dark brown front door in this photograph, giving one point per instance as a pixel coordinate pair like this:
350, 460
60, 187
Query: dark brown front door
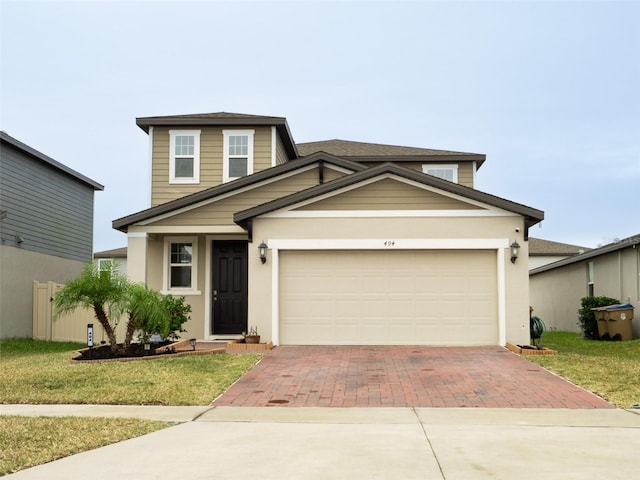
230, 287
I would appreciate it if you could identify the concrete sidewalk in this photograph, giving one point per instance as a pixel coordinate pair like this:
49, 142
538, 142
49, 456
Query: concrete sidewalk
355, 443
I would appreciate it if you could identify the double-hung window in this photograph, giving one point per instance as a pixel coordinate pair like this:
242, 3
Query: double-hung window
446, 172
184, 158
180, 269
238, 154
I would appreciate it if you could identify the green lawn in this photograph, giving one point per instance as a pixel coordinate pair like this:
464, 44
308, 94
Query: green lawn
609, 369
34, 371
41, 372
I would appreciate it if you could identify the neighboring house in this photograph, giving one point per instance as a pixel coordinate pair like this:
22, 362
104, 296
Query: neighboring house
46, 228
118, 256
612, 271
330, 242
543, 252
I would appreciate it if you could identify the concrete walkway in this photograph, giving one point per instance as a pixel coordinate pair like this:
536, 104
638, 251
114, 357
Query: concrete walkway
357, 443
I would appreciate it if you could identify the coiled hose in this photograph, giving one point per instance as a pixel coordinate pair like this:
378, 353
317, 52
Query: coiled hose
536, 328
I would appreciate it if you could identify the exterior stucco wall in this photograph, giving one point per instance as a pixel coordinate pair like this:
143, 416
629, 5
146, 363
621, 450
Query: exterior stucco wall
16, 288
556, 294
516, 282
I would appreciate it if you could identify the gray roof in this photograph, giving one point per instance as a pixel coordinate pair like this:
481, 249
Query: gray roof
33, 153
532, 216
122, 223
629, 242
114, 253
540, 247
224, 119
372, 152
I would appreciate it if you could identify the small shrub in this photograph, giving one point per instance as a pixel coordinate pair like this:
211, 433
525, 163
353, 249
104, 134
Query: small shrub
586, 318
179, 312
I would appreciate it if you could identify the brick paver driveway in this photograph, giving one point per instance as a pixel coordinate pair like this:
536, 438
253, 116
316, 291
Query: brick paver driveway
403, 376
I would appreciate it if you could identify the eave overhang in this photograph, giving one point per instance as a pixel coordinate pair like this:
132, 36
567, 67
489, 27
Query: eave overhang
227, 120
123, 223
531, 216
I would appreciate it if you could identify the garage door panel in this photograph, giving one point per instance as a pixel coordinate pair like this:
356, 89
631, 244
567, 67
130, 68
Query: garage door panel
388, 297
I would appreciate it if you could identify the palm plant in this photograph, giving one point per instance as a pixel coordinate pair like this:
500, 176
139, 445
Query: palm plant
101, 289
147, 313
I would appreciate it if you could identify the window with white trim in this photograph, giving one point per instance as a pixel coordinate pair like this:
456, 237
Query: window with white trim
104, 264
180, 265
238, 154
446, 172
590, 287
184, 156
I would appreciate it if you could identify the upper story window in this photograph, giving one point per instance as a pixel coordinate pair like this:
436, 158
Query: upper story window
238, 154
446, 172
184, 158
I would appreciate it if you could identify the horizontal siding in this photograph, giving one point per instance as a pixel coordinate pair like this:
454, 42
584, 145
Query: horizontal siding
211, 158
222, 211
262, 149
51, 211
281, 152
388, 195
465, 170
465, 174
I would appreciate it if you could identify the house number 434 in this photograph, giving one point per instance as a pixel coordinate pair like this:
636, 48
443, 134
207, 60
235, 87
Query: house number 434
390, 243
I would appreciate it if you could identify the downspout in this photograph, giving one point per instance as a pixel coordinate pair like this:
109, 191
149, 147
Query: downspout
620, 279
321, 172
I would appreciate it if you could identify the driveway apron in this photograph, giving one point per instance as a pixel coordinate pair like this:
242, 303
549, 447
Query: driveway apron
403, 376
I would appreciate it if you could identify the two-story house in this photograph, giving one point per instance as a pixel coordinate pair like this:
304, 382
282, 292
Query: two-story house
46, 228
331, 242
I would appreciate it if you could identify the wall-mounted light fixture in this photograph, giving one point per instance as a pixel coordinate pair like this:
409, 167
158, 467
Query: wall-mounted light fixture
515, 250
262, 248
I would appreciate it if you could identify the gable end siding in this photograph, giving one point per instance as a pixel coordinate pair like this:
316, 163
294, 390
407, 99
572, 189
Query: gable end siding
52, 212
221, 212
389, 195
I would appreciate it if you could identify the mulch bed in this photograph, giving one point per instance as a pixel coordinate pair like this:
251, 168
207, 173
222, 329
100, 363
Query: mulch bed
135, 350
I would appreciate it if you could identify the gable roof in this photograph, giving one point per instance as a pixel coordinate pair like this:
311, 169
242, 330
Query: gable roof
532, 216
253, 179
629, 242
376, 152
223, 119
41, 157
540, 247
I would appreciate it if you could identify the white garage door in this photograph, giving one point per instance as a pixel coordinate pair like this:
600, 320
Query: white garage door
388, 298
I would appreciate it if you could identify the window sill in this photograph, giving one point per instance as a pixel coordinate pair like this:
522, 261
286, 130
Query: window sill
188, 181
181, 292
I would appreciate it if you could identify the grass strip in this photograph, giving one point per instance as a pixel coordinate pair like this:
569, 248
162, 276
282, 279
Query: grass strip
29, 441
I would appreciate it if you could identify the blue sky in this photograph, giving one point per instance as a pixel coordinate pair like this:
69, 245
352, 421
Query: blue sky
549, 91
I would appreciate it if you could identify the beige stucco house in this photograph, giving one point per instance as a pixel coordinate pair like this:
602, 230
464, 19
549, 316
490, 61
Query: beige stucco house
610, 271
331, 242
